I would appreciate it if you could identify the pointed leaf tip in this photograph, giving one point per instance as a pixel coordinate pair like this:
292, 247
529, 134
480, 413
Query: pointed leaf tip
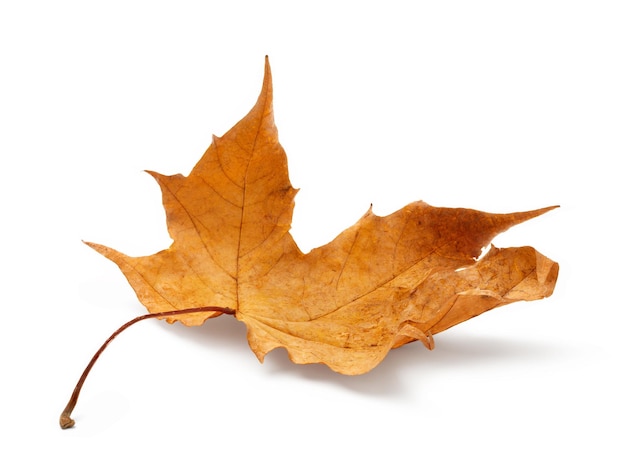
267, 76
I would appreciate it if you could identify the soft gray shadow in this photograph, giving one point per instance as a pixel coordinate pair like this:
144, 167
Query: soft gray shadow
454, 349
385, 379
401, 366
223, 332
395, 374
226, 333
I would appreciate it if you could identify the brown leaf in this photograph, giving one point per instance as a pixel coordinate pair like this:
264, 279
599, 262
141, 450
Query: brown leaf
381, 283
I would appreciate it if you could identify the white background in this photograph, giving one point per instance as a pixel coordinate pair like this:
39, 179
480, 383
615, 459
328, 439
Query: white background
494, 105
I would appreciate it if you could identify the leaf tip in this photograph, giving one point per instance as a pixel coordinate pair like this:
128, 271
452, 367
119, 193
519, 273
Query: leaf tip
153, 174
88, 243
267, 80
538, 212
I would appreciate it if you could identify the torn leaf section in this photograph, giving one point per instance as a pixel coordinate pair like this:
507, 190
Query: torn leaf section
501, 277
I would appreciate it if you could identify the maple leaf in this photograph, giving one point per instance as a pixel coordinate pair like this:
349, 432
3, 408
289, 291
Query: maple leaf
380, 284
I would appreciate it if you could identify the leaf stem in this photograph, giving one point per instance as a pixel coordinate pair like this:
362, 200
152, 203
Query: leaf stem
65, 420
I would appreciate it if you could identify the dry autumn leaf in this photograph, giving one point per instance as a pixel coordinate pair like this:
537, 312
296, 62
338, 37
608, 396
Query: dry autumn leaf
381, 283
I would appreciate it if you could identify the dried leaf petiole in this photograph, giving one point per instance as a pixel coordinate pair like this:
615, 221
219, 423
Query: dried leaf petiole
65, 420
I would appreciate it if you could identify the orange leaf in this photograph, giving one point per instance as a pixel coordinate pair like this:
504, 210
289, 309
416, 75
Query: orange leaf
381, 283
